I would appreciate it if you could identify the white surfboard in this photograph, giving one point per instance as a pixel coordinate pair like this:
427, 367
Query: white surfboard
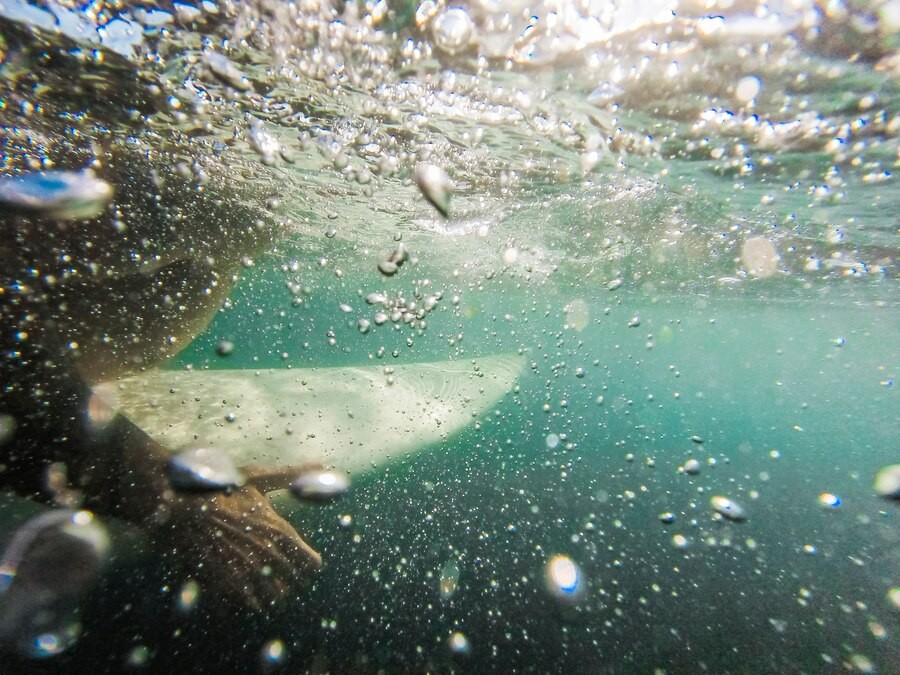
350, 419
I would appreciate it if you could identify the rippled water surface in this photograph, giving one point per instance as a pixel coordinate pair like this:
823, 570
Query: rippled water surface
678, 220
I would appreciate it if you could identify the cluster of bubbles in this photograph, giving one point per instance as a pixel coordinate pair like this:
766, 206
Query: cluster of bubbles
400, 310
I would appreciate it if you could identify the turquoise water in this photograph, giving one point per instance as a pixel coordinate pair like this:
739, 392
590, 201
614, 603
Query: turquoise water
683, 218
790, 402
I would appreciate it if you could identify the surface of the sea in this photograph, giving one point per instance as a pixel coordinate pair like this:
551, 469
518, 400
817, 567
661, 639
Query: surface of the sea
682, 215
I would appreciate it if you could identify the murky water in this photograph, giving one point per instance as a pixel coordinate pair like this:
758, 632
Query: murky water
656, 243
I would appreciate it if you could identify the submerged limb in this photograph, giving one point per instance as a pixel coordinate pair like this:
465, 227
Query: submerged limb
237, 549
233, 545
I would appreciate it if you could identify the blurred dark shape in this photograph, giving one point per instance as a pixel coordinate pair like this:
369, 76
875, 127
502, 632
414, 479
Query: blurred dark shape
64, 195
50, 565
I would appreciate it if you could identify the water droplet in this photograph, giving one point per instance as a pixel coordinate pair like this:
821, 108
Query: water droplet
680, 541
829, 500
273, 653
203, 469
893, 597
453, 29
459, 644
224, 347
65, 195
320, 485
887, 482
692, 467
747, 88
138, 657
394, 260
563, 577
188, 596
435, 186
387, 268
728, 508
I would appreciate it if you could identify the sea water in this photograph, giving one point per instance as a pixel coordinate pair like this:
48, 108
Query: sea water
781, 396
683, 219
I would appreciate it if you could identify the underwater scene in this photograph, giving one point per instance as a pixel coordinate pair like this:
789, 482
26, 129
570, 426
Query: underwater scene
477, 336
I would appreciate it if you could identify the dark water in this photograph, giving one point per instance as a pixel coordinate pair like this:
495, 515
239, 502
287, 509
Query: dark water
689, 236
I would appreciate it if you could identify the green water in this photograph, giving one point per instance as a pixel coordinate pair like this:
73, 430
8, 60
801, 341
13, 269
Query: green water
792, 398
690, 237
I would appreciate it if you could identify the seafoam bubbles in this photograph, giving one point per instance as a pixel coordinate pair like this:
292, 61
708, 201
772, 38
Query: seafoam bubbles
759, 257
49, 567
64, 195
320, 485
562, 577
578, 314
226, 71
728, 508
204, 469
887, 482
264, 143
